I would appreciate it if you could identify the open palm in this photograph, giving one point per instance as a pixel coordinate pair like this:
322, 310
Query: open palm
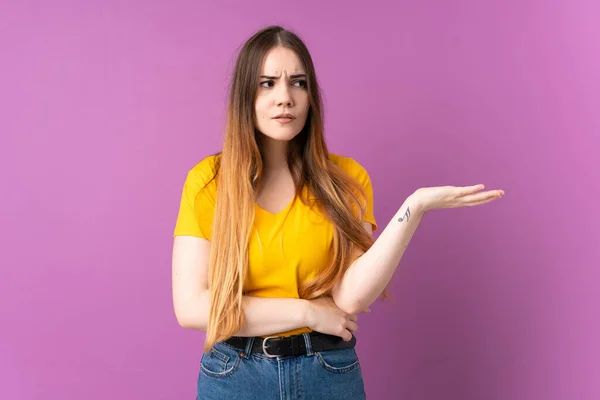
454, 196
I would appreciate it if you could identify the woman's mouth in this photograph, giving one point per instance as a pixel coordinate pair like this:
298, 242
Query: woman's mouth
283, 120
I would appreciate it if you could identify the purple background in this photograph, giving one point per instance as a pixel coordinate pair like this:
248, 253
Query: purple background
105, 106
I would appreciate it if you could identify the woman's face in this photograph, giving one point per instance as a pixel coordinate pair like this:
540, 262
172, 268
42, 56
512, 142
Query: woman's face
282, 89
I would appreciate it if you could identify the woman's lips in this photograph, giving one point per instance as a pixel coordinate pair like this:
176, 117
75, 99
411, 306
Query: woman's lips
284, 120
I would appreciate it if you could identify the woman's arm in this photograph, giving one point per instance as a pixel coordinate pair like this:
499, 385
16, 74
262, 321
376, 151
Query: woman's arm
263, 316
367, 277
191, 298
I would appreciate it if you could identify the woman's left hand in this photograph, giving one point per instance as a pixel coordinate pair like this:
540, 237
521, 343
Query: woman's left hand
430, 198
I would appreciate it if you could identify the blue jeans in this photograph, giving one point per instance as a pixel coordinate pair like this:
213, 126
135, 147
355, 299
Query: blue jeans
229, 373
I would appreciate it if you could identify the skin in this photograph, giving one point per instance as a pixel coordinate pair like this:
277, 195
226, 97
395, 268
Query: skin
282, 89
365, 279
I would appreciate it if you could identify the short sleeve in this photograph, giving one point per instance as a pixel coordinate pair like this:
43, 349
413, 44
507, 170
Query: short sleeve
362, 176
196, 208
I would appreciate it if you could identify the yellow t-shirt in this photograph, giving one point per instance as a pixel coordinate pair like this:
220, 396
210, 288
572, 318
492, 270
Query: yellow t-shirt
287, 248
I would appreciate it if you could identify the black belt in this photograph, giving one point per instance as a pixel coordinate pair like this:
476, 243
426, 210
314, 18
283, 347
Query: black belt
274, 346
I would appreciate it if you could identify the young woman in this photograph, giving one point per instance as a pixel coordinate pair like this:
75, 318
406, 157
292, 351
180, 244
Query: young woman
273, 255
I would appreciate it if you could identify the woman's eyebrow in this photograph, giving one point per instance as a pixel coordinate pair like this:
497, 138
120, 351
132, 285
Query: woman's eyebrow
291, 76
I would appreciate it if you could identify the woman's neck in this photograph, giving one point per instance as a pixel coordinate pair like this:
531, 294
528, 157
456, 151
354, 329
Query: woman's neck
274, 153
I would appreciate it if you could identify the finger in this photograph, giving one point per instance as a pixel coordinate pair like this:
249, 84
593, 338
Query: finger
353, 317
347, 336
465, 190
344, 333
352, 326
478, 203
489, 195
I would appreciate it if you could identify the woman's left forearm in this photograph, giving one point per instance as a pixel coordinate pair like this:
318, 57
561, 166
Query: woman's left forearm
369, 274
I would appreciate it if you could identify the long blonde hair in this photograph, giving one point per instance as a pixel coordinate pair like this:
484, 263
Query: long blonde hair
238, 170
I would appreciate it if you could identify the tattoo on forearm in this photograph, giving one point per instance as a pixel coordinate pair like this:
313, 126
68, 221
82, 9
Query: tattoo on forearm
406, 215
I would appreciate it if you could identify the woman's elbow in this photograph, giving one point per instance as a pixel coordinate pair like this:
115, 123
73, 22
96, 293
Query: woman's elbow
190, 320
349, 306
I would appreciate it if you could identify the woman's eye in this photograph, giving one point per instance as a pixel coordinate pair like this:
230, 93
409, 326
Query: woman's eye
268, 84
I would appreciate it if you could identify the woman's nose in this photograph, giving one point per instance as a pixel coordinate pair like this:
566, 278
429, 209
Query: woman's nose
284, 96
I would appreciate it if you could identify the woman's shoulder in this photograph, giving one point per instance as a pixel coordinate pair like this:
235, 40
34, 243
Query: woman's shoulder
202, 174
348, 164
205, 169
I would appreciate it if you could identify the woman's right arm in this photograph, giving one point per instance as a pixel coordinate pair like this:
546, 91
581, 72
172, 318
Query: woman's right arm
263, 316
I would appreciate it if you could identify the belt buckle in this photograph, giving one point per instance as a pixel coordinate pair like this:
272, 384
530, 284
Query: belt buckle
264, 345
